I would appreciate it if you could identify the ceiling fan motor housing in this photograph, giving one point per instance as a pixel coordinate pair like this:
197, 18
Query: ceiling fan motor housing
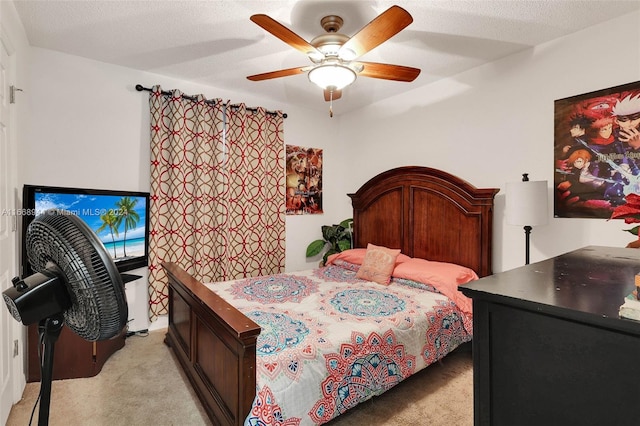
332, 23
329, 45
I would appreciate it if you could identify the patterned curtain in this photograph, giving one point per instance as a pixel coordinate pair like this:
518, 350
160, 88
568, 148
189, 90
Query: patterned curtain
217, 191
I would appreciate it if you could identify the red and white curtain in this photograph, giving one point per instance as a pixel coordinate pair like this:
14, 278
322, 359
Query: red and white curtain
217, 191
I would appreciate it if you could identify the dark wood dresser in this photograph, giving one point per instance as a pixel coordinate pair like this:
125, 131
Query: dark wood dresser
549, 347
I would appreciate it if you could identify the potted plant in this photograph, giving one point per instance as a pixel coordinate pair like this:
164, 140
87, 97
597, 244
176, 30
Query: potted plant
336, 238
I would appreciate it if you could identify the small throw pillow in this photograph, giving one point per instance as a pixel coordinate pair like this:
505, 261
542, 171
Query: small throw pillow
378, 264
356, 256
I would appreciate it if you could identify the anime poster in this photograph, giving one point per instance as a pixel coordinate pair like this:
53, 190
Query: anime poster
597, 151
304, 180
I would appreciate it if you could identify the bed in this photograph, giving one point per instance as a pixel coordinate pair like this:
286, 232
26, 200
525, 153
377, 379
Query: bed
241, 375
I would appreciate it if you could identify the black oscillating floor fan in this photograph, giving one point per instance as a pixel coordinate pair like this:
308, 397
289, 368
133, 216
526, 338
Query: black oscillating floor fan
76, 282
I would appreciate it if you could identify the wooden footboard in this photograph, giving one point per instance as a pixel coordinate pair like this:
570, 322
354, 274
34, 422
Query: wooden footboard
216, 346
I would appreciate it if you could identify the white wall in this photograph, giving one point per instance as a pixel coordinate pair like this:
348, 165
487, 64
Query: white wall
493, 123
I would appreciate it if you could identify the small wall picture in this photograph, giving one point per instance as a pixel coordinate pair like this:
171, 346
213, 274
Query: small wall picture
596, 151
304, 180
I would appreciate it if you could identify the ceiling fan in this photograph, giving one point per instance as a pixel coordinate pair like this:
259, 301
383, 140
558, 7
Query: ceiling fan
334, 55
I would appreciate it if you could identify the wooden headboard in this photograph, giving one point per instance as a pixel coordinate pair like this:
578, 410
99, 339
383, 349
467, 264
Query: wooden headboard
426, 213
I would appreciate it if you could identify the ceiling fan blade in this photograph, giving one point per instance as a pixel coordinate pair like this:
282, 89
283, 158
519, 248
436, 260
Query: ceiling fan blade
277, 74
382, 28
387, 71
285, 34
337, 94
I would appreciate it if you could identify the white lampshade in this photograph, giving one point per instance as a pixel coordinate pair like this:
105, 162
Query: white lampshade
527, 203
334, 76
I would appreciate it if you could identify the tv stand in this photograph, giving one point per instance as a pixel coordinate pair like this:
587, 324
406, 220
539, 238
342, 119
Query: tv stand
127, 278
74, 356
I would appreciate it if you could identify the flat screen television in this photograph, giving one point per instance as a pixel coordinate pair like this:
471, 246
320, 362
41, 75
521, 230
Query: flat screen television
119, 218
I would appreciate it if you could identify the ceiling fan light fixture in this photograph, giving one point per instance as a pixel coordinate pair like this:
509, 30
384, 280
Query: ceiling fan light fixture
332, 76
316, 56
347, 54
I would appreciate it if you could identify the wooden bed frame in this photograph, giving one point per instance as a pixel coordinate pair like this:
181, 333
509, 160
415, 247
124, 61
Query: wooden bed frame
426, 212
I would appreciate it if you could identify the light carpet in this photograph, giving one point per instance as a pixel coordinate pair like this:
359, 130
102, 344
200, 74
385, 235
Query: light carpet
142, 384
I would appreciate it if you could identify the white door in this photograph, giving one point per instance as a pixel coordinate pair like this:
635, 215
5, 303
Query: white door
8, 231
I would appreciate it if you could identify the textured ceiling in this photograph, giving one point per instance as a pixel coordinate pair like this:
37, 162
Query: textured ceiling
215, 43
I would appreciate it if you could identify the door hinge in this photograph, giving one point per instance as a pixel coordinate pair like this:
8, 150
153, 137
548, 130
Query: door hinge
12, 93
16, 348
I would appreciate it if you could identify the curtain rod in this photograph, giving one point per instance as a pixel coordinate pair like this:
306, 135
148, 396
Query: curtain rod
140, 88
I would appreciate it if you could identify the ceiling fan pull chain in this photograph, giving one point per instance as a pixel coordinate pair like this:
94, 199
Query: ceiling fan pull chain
331, 104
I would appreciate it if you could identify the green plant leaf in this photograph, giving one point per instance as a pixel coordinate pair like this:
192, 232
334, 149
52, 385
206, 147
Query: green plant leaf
327, 254
633, 230
334, 234
315, 248
346, 223
337, 238
344, 244
329, 233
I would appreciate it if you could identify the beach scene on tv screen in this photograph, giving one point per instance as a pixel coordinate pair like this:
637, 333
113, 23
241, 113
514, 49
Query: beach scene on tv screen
118, 221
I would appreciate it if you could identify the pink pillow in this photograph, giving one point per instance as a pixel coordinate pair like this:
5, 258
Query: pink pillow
378, 264
446, 277
356, 256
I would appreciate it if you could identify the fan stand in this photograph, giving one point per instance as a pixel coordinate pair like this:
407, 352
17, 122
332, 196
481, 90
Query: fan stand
49, 330
87, 278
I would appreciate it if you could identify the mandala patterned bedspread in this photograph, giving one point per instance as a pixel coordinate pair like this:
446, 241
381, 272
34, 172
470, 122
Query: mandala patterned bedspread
330, 340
